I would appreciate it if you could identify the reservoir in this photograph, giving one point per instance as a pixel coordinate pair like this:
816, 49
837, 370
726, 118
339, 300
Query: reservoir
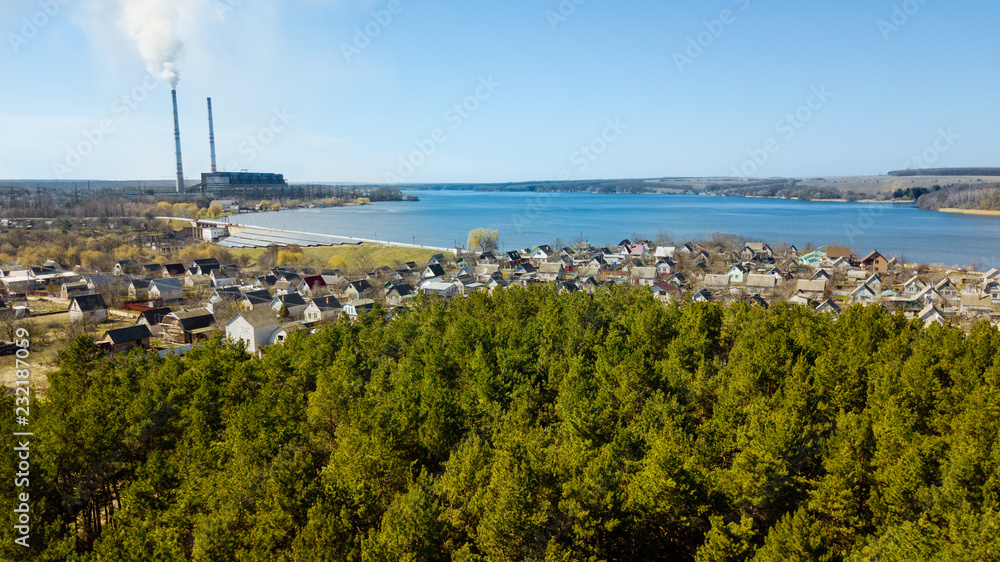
524, 219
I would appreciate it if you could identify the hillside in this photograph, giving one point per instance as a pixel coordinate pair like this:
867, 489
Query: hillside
530, 426
971, 197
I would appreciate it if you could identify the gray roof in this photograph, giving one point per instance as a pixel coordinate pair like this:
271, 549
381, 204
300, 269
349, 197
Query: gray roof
129, 334
291, 299
259, 318
167, 283
194, 319
89, 302
326, 303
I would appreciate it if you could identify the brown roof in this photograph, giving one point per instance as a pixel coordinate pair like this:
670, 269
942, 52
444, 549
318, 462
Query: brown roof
871, 257
834, 252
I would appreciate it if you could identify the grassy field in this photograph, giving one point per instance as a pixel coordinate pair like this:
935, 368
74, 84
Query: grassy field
366, 256
49, 335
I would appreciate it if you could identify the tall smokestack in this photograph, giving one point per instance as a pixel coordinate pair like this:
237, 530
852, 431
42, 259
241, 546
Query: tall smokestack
211, 134
177, 141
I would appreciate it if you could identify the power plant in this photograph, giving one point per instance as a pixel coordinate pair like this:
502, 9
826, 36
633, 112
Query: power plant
224, 184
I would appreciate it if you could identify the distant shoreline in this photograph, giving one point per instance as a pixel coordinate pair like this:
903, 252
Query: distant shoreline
980, 212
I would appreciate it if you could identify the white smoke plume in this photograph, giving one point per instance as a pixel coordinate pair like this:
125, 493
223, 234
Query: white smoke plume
152, 25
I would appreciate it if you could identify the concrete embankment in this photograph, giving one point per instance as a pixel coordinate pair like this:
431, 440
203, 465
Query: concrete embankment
326, 239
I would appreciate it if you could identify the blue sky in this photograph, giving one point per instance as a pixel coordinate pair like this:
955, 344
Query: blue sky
297, 91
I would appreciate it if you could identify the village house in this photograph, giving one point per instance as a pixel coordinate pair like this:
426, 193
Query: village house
355, 307
738, 274
252, 299
828, 306
665, 251
123, 340
875, 282
313, 286
812, 290
717, 282
875, 263
293, 303
567, 287
524, 269
187, 326
761, 282
283, 331
226, 294
912, 287
152, 318
152, 270
139, 288
551, 272
222, 278
70, 290
88, 308
358, 289
812, 259
928, 295
253, 328
204, 266
665, 291
166, 289
931, 315
834, 252
841, 263
195, 281
540, 255
863, 295
283, 287
127, 267
228, 205
947, 289
758, 250
267, 281
703, 296
433, 270
321, 309
446, 290
665, 267
678, 280
398, 293
976, 302
173, 270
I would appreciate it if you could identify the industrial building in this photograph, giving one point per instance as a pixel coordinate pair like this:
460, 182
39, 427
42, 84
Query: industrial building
245, 185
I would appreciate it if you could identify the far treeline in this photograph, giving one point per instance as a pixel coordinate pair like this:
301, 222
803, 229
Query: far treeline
587, 186
778, 188
123, 199
947, 172
529, 425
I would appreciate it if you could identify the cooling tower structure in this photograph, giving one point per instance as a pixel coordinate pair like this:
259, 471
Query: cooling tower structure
177, 141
